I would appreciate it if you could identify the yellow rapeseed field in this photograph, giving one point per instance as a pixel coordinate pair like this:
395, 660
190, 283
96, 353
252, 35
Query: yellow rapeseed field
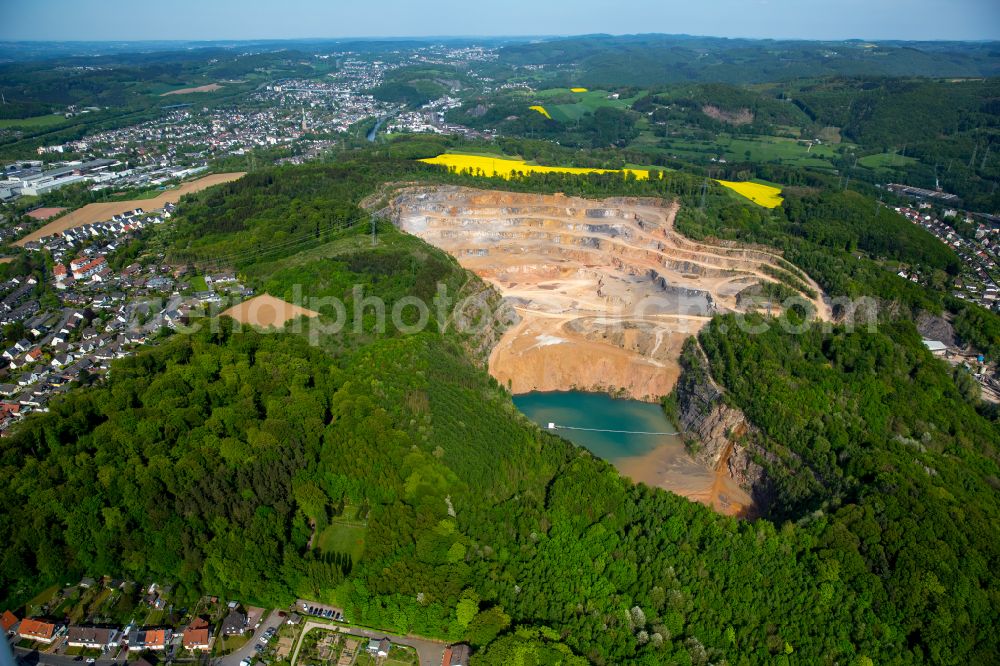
504, 167
541, 110
762, 195
578, 90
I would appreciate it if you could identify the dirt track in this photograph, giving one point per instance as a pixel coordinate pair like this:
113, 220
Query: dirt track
606, 290
98, 212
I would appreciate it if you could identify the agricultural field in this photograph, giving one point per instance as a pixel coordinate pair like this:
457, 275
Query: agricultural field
759, 149
541, 110
211, 87
504, 167
767, 196
97, 212
583, 101
886, 161
37, 122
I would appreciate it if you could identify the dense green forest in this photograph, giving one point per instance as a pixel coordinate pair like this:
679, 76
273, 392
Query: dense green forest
643, 60
214, 458
841, 238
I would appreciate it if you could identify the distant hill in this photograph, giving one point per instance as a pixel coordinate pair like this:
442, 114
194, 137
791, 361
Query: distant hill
644, 60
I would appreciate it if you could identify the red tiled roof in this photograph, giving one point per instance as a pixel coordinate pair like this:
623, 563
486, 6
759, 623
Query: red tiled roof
8, 619
156, 637
195, 637
32, 628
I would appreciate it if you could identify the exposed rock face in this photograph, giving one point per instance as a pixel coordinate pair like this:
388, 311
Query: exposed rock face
739, 117
934, 327
606, 290
723, 438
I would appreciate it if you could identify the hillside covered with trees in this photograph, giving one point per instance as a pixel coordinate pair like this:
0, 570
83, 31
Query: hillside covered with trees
213, 459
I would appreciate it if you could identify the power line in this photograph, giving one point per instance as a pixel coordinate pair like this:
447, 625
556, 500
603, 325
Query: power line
287, 244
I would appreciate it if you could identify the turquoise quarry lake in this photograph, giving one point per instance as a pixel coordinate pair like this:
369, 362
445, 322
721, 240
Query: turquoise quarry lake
654, 459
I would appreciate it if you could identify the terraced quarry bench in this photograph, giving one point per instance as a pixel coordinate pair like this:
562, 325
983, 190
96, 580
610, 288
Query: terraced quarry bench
606, 290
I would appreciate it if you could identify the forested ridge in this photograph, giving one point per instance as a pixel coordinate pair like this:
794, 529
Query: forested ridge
212, 459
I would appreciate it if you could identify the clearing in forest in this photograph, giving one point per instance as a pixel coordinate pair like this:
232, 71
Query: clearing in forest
267, 311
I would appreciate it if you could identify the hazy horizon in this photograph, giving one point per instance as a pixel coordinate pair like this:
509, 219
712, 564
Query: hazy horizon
232, 20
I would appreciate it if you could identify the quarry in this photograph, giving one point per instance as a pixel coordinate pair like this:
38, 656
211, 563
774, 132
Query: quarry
606, 291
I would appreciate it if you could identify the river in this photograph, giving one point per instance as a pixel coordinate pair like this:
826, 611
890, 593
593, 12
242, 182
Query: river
656, 460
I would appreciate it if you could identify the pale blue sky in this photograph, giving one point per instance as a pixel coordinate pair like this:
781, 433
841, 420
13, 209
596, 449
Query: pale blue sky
280, 19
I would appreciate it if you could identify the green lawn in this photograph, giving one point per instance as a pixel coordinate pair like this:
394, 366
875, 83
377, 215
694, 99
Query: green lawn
227, 644
155, 617
886, 161
199, 284
33, 123
137, 196
42, 598
343, 538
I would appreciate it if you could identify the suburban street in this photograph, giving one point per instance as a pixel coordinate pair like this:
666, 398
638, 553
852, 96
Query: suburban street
247, 651
35, 657
429, 652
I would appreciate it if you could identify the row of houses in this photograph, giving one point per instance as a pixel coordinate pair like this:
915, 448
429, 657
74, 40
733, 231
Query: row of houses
196, 636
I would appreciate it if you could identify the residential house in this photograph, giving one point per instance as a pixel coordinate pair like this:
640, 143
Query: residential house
88, 269
36, 630
149, 639
8, 409
96, 638
456, 655
62, 359
379, 647
235, 623
8, 622
197, 635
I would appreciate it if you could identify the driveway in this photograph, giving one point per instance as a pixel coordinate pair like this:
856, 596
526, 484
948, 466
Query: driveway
429, 652
234, 658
